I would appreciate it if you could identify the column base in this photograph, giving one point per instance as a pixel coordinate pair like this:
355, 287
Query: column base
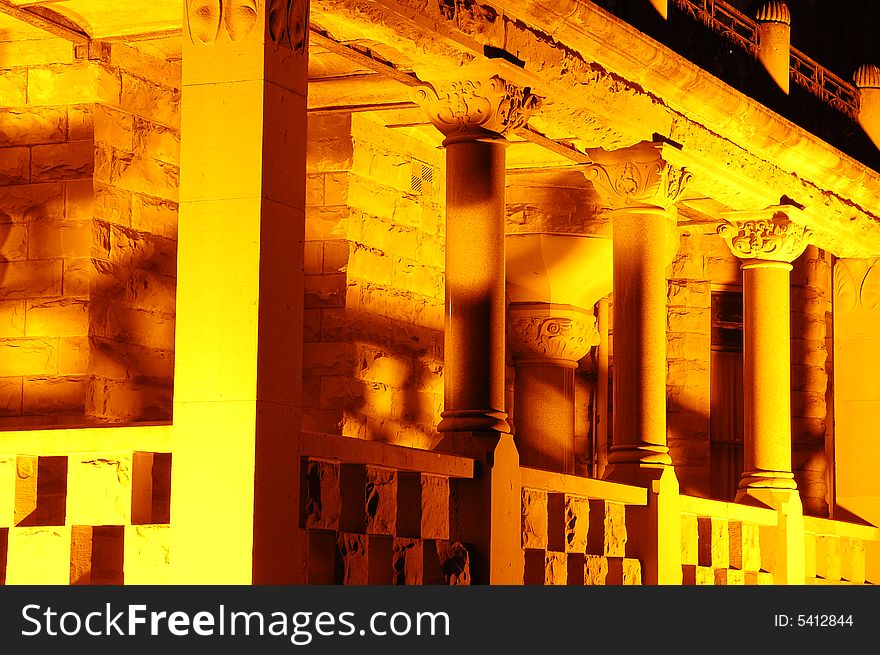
766, 480
474, 420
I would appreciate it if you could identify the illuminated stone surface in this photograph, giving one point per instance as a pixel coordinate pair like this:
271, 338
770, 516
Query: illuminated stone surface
401, 273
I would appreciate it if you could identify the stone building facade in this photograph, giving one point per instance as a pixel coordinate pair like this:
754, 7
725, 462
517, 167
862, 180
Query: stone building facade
384, 291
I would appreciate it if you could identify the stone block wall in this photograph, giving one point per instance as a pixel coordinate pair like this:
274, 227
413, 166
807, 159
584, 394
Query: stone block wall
374, 287
701, 260
88, 215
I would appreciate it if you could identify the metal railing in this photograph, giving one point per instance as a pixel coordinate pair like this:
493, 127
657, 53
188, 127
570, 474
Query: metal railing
732, 24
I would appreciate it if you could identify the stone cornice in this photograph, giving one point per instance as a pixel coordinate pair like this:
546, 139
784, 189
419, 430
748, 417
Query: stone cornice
639, 176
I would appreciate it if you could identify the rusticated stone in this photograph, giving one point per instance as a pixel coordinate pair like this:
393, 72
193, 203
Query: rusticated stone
455, 563
729, 577
31, 125
29, 201
381, 500
147, 554
689, 539
555, 568
10, 396
54, 395
323, 502
30, 279
15, 165
434, 523
408, 561
13, 86
12, 314
29, 356
57, 318
577, 522
697, 575
62, 161
607, 534
595, 570
852, 560
99, 489
828, 557
534, 519
624, 571
354, 559
713, 545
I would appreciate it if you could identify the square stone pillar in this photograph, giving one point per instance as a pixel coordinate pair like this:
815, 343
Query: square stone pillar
234, 507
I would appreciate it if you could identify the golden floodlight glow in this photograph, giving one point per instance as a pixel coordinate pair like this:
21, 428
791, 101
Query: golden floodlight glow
297, 294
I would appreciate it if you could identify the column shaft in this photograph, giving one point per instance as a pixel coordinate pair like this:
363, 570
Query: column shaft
767, 375
475, 297
639, 307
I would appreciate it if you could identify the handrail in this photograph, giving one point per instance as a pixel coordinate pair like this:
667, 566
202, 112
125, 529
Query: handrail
804, 71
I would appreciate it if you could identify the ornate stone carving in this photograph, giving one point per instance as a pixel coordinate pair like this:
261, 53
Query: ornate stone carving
559, 334
774, 12
857, 284
474, 107
207, 19
867, 77
637, 177
289, 24
772, 239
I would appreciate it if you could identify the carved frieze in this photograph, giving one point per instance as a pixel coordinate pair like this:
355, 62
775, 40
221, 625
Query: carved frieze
289, 24
857, 284
479, 106
637, 177
772, 239
208, 20
547, 332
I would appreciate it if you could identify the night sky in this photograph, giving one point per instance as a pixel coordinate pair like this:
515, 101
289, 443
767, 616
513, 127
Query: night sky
839, 34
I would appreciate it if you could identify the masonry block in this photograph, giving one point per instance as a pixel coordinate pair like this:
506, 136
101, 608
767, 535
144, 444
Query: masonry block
7, 490
714, 543
40, 491
534, 519
693, 574
828, 557
577, 523
555, 568
408, 561
454, 561
380, 500
50, 546
595, 570
689, 539
434, 507
727, 577
852, 558
624, 571
322, 495
147, 554
607, 534
99, 489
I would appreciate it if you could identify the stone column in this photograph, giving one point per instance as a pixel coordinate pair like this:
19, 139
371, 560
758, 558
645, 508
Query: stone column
767, 247
474, 112
767, 242
546, 341
238, 357
639, 187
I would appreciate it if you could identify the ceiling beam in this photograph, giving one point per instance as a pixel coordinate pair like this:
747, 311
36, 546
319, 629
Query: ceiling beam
42, 22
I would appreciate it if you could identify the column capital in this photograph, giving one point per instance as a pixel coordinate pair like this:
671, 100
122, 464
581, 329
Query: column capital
550, 334
638, 177
485, 99
769, 235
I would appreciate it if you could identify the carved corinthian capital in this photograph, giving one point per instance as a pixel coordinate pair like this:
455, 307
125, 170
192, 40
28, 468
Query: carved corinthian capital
639, 176
772, 239
545, 333
479, 105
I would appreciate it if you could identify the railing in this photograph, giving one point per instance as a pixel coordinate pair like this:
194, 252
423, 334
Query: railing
840, 553
805, 72
374, 513
574, 530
